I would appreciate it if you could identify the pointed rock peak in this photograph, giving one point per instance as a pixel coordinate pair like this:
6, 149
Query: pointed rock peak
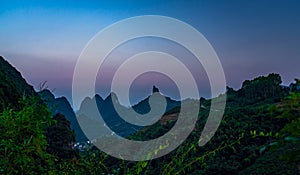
155, 89
111, 96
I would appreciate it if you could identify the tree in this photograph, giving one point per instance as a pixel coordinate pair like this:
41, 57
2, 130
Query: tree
263, 87
22, 140
61, 138
290, 133
295, 87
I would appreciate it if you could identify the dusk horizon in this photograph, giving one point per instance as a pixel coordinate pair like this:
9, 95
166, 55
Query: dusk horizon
208, 87
44, 40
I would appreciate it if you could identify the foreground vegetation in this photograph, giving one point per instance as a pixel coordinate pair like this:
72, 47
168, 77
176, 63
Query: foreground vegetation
259, 134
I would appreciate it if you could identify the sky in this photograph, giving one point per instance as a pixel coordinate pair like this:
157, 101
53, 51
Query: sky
43, 39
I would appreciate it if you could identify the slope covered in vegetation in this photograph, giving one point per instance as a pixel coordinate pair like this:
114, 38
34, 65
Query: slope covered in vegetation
259, 134
12, 85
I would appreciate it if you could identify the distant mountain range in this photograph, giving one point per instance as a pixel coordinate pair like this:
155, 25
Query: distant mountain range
13, 86
257, 135
88, 115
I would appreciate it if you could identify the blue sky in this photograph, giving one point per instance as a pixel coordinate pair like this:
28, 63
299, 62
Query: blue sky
43, 39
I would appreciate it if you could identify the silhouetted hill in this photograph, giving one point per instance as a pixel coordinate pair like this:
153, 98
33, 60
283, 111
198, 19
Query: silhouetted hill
61, 105
90, 108
259, 91
143, 106
12, 85
257, 135
248, 126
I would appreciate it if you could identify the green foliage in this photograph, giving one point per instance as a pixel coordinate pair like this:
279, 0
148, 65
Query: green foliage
89, 162
263, 87
23, 143
12, 86
271, 162
61, 138
232, 148
255, 120
248, 127
295, 87
8, 92
290, 110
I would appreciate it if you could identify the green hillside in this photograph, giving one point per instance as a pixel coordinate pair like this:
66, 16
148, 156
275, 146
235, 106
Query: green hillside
259, 134
12, 85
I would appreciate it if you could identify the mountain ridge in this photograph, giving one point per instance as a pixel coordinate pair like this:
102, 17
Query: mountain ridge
91, 107
62, 105
12, 85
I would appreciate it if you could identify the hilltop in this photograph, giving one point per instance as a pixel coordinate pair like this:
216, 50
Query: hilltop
259, 132
12, 85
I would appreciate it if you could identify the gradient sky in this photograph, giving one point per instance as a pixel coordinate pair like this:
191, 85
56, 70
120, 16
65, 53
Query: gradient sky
44, 39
